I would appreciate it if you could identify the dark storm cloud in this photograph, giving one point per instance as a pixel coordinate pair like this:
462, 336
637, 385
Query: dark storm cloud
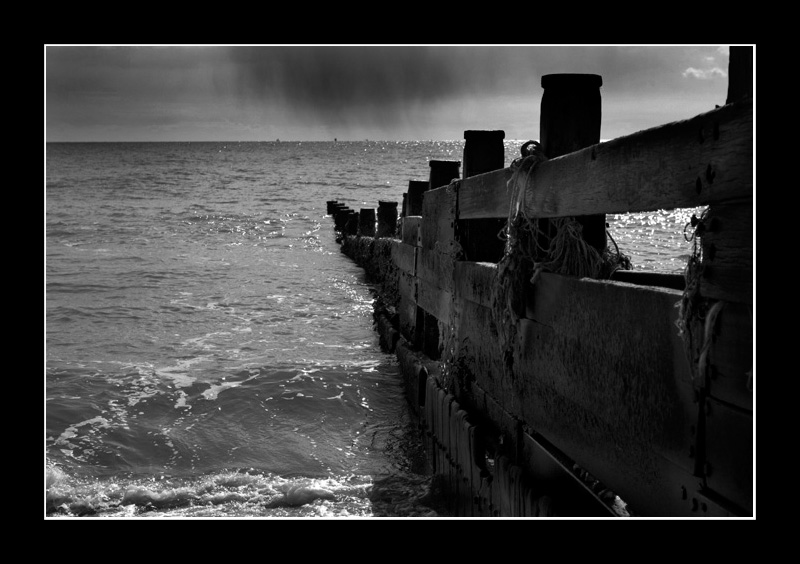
98, 92
331, 80
335, 78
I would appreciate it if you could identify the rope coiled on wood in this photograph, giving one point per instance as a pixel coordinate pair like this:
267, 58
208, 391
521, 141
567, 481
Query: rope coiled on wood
535, 245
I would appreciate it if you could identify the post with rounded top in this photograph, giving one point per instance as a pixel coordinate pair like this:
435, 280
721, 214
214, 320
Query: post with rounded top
570, 121
387, 219
443, 173
366, 222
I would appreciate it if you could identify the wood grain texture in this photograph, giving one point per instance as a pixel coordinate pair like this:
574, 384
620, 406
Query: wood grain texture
438, 218
728, 252
699, 161
586, 373
433, 300
435, 268
411, 231
729, 453
475, 281
690, 163
404, 256
484, 195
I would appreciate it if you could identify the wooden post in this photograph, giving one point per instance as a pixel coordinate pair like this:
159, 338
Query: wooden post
483, 151
366, 222
569, 121
387, 219
740, 73
442, 173
416, 188
340, 218
351, 227
337, 208
331, 206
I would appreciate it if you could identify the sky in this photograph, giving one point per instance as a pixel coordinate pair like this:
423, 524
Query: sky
357, 92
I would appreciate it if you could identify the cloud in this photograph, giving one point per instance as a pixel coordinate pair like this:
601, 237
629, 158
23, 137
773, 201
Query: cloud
279, 91
333, 77
704, 74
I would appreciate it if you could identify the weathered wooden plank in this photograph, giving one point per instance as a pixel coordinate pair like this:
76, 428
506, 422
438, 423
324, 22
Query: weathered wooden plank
633, 427
587, 376
483, 399
474, 281
404, 256
601, 314
433, 300
414, 377
647, 278
471, 471
729, 453
412, 230
436, 268
613, 301
690, 163
553, 476
438, 218
699, 161
604, 393
407, 306
731, 356
476, 345
484, 195
482, 240
728, 252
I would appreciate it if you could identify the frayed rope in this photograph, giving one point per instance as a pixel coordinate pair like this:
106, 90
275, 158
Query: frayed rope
529, 251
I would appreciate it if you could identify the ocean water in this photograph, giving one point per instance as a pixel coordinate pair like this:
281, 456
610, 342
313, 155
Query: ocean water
210, 352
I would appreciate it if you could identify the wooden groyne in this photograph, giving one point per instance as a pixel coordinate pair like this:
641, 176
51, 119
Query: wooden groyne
549, 379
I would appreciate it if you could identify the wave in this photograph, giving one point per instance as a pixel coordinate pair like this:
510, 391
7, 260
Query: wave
241, 493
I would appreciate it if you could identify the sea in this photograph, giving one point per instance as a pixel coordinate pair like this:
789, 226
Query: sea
210, 352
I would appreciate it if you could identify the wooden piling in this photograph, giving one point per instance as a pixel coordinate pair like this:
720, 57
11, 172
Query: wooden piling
416, 188
570, 121
442, 173
366, 222
740, 73
387, 219
351, 226
340, 218
483, 152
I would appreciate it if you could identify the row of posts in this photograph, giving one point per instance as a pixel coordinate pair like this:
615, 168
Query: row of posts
363, 223
483, 152
569, 121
